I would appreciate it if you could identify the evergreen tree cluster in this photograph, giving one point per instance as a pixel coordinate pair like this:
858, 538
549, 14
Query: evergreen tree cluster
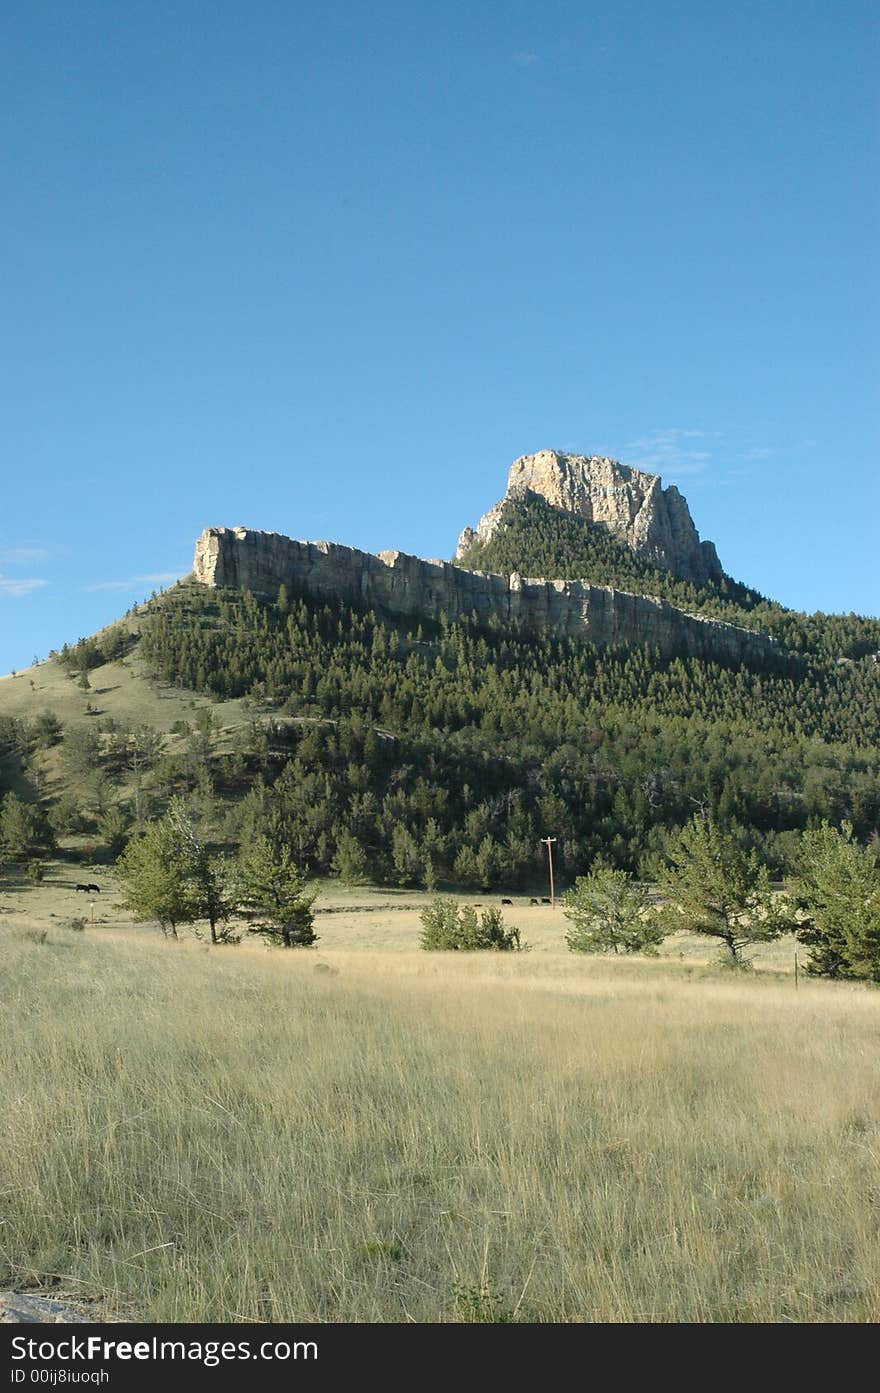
170, 874
87, 653
538, 540
415, 754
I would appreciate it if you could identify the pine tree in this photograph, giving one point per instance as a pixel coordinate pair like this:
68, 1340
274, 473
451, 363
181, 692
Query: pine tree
717, 888
838, 888
114, 827
23, 832
154, 873
429, 875
607, 911
349, 860
46, 730
66, 814
405, 855
274, 894
210, 884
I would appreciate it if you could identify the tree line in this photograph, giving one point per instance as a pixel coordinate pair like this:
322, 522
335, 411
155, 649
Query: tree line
410, 753
710, 884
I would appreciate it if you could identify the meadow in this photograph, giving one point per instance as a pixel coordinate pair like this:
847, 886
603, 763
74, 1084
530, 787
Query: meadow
366, 1132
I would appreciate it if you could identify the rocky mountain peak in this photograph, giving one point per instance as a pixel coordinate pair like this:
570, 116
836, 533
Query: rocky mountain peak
654, 521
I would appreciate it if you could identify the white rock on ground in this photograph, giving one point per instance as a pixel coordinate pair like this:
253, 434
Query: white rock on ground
23, 1308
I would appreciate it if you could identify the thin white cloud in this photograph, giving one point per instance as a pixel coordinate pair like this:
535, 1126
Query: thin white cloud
671, 451
18, 556
682, 451
525, 60
19, 587
668, 439
784, 450
133, 582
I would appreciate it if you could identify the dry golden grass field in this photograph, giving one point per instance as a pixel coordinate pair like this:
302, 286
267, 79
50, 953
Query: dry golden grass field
364, 1131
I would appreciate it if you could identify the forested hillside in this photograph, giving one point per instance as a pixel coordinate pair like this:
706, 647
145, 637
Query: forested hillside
444, 753
538, 540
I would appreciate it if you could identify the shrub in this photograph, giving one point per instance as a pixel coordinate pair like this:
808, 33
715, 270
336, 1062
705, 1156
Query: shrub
32, 935
445, 927
46, 730
481, 1304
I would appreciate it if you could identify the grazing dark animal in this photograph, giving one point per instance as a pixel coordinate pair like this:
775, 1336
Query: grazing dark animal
95, 888
544, 900
507, 901
533, 901
83, 887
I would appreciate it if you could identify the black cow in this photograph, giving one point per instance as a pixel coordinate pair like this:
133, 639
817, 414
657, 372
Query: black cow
83, 887
533, 901
507, 901
545, 900
96, 889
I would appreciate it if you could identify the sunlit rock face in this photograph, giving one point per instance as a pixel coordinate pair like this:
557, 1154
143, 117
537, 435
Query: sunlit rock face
652, 520
398, 585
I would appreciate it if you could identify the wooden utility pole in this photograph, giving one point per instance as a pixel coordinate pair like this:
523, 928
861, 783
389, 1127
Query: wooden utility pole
548, 842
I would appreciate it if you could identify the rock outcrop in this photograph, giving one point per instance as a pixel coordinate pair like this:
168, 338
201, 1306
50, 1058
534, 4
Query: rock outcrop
28, 1308
398, 585
652, 520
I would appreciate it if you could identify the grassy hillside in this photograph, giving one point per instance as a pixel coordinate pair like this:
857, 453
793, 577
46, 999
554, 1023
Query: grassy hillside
432, 1137
120, 690
121, 697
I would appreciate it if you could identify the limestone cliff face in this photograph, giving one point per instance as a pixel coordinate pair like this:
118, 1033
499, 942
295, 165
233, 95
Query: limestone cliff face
652, 520
396, 584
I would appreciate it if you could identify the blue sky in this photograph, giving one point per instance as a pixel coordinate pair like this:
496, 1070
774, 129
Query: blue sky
327, 269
